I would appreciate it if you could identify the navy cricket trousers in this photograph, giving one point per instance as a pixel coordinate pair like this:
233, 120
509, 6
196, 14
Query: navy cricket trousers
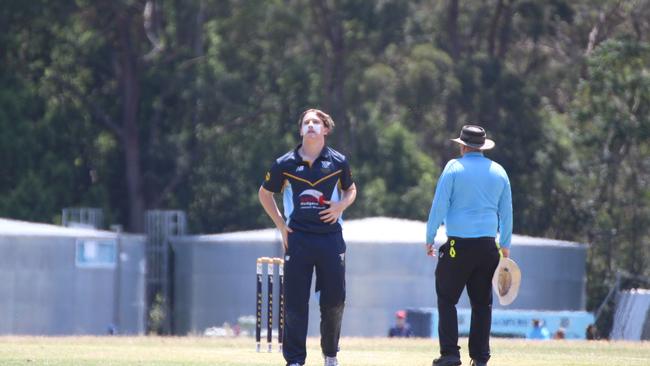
326, 253
467, 262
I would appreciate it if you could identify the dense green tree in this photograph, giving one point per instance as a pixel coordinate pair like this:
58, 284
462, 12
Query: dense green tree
42, 169
612, 136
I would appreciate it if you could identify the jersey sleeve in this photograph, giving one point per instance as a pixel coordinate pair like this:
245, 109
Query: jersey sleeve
441, 201
274, 180
346, 176
505, 214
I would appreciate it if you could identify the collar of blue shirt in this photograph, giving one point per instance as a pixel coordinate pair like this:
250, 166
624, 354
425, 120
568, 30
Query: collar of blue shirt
324, 154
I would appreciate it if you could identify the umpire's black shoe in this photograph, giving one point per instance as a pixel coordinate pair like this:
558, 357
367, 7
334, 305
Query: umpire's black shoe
478, 363
447, 361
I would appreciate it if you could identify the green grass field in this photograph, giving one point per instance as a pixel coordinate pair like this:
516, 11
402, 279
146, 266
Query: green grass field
354, 352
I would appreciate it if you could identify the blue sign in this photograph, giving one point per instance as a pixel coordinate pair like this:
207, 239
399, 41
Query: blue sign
96, 253
518, 323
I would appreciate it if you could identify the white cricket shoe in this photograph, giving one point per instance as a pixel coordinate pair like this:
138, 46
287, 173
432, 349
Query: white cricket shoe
331, 361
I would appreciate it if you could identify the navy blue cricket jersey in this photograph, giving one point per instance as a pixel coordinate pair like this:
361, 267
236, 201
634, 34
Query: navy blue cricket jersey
305, 187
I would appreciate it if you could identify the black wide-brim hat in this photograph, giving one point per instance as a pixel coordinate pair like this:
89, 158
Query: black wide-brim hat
475, 137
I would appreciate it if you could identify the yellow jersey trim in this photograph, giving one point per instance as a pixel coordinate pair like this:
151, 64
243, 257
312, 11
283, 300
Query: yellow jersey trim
316, 182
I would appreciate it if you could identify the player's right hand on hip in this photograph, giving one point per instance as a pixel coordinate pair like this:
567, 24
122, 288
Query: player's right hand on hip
285, 230
431, 252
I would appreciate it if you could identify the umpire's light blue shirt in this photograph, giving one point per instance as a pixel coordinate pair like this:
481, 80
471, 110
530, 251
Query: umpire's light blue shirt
473, 199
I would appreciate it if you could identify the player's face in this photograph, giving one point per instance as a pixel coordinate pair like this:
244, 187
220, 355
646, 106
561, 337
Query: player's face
312, 126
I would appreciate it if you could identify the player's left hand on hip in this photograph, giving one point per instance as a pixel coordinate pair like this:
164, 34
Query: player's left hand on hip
331, 214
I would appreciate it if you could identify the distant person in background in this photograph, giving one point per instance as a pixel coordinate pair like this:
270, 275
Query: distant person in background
539, 331
591, 333
112, 329
401, 328
559, 333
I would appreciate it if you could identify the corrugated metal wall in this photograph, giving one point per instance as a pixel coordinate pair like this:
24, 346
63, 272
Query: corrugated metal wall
46, 291
632, 316
47, 288
215, 282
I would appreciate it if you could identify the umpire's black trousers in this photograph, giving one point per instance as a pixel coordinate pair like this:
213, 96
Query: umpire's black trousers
467, 262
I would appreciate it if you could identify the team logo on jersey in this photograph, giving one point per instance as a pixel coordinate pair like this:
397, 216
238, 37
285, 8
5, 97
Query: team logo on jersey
300, 168
326, 167
311, 198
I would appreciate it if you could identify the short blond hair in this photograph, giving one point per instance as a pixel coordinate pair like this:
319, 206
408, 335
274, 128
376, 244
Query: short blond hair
324, 117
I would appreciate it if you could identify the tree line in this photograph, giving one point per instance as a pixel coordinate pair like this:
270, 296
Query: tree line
144, 104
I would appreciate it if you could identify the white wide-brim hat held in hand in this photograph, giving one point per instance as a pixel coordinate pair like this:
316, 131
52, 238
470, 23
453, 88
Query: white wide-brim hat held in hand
506, 281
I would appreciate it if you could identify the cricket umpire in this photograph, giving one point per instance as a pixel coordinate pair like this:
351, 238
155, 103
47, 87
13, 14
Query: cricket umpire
317, 187
473, 199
